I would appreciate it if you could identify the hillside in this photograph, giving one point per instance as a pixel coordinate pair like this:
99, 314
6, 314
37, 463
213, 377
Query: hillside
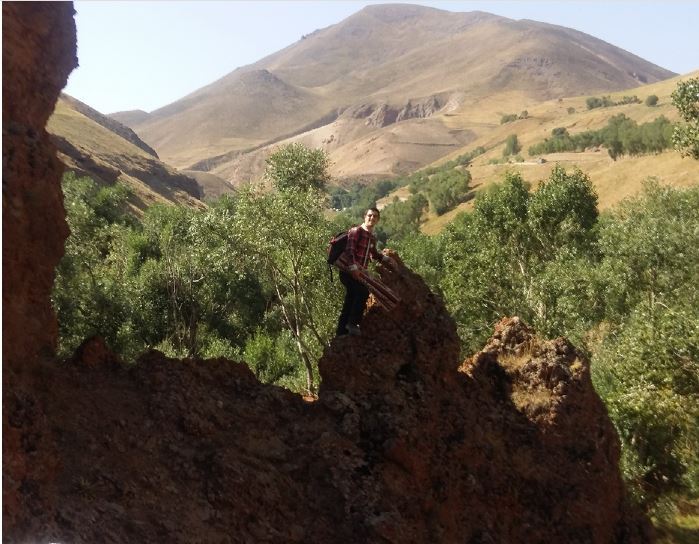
94, 145
369, 87
614, 180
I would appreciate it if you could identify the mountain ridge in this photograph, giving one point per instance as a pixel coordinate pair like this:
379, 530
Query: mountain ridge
391, 54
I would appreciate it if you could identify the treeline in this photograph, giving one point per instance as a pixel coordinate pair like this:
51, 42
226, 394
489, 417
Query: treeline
624, 286
606, 102
621, 136
243, 278
443, 187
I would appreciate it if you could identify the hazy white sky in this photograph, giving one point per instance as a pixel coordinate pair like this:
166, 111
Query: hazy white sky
144, 55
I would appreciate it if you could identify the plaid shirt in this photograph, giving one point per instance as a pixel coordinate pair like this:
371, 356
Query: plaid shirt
361, 245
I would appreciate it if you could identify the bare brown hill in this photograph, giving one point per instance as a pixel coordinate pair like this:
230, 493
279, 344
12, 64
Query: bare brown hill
131, 117
94, 145
382, 66
108, 122
404, 443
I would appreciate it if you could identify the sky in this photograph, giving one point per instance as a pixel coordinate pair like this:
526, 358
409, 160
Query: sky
147, 54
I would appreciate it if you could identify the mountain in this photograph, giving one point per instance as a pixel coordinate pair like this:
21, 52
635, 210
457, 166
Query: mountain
97, 146
385, 77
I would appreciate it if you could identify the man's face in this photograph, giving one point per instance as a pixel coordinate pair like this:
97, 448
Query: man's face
371, 218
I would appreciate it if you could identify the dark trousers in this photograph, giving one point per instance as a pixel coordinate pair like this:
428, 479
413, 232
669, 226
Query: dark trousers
356, 295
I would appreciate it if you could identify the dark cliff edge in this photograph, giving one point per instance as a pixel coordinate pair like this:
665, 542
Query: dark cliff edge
405, 443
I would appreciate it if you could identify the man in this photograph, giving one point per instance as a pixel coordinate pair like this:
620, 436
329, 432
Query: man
361, 246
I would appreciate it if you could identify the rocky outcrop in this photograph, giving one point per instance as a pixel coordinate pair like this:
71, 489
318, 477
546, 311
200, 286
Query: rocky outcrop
38, 53
420, 109
403, 444
382, 114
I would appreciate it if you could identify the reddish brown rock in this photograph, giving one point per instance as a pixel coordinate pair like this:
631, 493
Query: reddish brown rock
38, 53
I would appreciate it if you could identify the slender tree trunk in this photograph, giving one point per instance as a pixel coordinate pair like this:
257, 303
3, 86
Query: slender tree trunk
295, 330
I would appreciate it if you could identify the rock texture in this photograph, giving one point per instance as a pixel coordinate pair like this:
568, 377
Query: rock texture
403, 444
38, 53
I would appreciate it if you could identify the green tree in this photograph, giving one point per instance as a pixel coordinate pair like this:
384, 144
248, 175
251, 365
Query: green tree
651, 100
512, 146
297, 166
647, 367
400, 219
86, 295
282, 236
519, 253
686, 99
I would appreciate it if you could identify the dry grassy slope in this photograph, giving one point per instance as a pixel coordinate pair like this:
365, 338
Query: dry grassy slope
613, 180
91, 149
392, 54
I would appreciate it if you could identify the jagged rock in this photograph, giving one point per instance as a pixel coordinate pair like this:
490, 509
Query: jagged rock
423, 108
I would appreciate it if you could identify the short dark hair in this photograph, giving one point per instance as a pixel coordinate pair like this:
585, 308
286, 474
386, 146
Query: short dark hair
375, 210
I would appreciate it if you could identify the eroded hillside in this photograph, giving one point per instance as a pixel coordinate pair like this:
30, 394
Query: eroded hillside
395, 62
404, 444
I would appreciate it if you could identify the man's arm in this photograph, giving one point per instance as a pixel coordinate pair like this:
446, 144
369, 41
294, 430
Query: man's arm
352, 237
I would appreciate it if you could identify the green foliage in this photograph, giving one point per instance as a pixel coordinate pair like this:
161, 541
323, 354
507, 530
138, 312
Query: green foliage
295, 166
629, 282
524, 115
596, 102
651, 100
282, 237
423, 254
358, 198
510, 255
273, 358
512, 146
686, 136
400, 219
648, 374
508, 118
606, 102
621, 136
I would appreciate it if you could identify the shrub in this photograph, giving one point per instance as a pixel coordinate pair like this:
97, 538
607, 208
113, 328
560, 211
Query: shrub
651, 100
508, 118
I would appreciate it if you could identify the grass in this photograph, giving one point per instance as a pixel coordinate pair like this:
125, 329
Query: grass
613, 180
682, 527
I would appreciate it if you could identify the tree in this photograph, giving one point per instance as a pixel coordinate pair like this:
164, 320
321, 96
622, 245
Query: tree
282, 236
686, 99
520, 253
400, 219
87, 295
647, 368
297, 166
512, 146
651, 100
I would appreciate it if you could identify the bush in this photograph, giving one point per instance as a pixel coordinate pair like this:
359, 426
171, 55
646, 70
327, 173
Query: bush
512, 146
651, 100
508, 118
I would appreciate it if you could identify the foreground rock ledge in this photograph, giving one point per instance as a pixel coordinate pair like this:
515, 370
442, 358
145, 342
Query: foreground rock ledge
404, 444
